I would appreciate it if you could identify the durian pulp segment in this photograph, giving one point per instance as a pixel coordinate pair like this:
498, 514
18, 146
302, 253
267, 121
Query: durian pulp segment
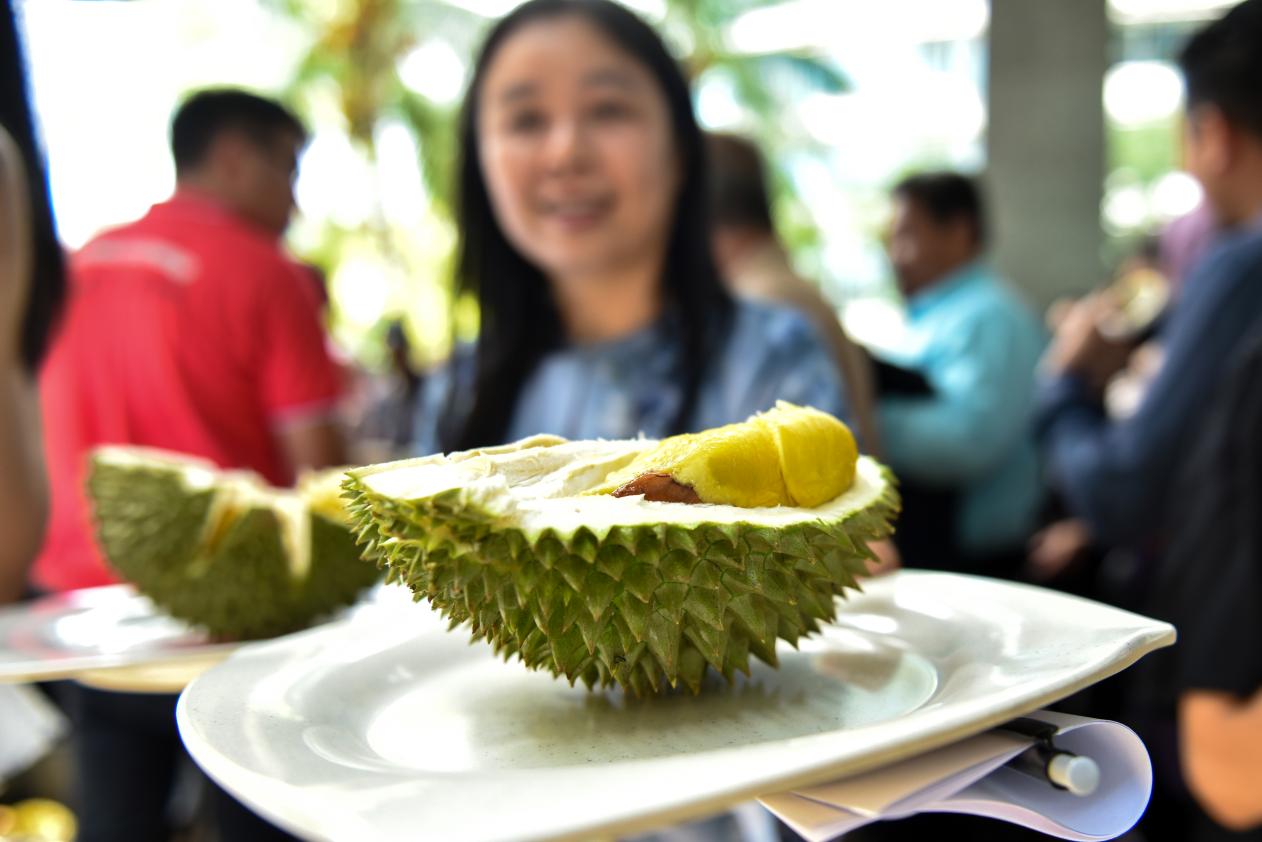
787, 456
817, 452
238, 492
322, 491
295, 533
736, 464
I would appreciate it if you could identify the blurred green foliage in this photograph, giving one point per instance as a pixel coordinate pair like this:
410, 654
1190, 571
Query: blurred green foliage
351, 75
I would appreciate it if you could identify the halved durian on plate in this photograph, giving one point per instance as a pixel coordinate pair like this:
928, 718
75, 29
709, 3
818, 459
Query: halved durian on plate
530, 545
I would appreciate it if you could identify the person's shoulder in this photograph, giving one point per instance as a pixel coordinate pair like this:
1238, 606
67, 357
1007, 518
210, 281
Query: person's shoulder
209, 236
205, 226
1238, 253
1233, 263
993, 296
771, 320
249, 245
774, 332
122, 230
136, 244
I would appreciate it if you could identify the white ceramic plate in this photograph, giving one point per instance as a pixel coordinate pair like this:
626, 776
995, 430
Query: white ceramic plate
115, 639
98, 629
388, 727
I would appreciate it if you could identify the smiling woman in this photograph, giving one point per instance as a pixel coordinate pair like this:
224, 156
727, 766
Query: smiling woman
585, 239
580, 161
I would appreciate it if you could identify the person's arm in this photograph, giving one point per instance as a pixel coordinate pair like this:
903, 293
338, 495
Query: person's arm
1210, 587
1220, 749
446, 389
856, 372
301, 383
1115, 475
312, 443
852, 361
23, 487
982, 388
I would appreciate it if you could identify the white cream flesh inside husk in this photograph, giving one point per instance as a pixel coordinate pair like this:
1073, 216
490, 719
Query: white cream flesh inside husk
541, 489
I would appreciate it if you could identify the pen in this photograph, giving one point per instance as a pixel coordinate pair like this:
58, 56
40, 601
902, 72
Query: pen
1064, 770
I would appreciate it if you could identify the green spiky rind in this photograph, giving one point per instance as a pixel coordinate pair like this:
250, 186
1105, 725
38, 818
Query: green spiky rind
642, 606
150, 526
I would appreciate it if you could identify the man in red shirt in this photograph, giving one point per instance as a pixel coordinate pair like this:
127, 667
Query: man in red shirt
188, 330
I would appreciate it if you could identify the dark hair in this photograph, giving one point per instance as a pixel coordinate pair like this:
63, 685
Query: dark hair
947, 197
207, 113
48, 281
738, 182
1222, 66
519, 319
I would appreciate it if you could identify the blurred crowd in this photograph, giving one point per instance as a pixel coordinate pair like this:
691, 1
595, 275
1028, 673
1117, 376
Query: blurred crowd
630, 280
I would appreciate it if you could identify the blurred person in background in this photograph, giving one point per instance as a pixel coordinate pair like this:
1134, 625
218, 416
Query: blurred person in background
584, 234
755, 265
1184, 242
958, 439
31, 286
383, 430
1205, 695
188, 330
1198, 437
1063, 553
1117, 475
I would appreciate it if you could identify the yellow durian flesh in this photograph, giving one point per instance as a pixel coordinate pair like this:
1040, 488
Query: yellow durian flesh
817, 453
788, 456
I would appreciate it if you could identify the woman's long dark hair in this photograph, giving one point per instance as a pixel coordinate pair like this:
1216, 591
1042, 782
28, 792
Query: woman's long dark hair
48, 282
520, 322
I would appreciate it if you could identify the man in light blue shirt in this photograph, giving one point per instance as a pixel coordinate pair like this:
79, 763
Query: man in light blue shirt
963, 448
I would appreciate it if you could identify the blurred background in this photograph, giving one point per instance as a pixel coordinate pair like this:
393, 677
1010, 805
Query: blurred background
846, 97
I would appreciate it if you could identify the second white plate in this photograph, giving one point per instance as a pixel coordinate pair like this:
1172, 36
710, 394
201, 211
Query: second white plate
386, 726
113, 627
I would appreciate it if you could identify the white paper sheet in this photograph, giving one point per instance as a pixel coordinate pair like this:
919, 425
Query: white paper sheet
29, 726
970, 777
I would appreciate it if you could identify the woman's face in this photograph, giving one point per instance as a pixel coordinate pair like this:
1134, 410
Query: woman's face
576, 148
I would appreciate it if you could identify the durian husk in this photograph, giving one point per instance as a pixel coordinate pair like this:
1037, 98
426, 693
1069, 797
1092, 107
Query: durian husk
221, 549
609, 591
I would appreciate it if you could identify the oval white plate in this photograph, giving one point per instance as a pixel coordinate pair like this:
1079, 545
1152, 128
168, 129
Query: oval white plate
109, 631
116, 639
386, 726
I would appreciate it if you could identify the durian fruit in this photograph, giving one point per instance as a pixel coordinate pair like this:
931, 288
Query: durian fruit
222, 549
527, 544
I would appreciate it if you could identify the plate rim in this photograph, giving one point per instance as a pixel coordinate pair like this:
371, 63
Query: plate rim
71, 666
1150, 635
